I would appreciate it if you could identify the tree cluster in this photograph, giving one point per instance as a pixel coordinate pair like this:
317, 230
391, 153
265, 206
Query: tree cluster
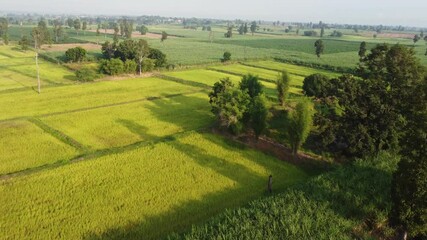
77, 54
137, 51
239, 108
4, 28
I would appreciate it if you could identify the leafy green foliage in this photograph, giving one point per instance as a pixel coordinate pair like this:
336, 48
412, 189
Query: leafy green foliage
300, 123
24, 43
283, 85
129, 66
362, 49
148, 65
142, 29
259, 114
85, 74
252, 85
316, 85
77, 54
164, 36
113, 66
318, 45
226, 57
158, 56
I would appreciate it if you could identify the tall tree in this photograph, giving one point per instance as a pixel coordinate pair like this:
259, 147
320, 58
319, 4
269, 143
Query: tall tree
164, 36
322, 31
84, 27
24, 43
38, 34
318, 45
300, 123
283, 85
142, 51
70, 22
259, 114
254, 27
4, 28
57, 29
77, 25
416, 38
362, 49
245, 28
409, 185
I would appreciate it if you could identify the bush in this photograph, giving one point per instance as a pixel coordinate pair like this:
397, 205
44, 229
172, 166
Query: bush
76, 54
148, 65
316, 85
310, 33
85, 74
130, 66
111, 67
158, 56
226, 57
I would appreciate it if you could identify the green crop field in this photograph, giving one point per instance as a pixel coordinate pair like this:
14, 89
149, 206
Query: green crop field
148, 191
18, 70
24, 145
119, 126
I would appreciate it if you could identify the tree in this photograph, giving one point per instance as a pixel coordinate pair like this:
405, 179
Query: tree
130, 66
4, 28
416, 38
164, 36
77, 25
128, 28
254, 27
127, 49
218, 88
226, 57
362, 49
245, 28
316, 85
113, 66
39, 40
116, 33
251, 85
240, 30
108, 50
97, 30
421, 34
259, 114
44, 33
142, 50
409, 192
70, 22
229, 32
322, 32
158, 56
57, 29
283, 85
24, 43
105, 26
229, 107
84, 27
319, 47
142, 29
76, 54
148, 65
300, 122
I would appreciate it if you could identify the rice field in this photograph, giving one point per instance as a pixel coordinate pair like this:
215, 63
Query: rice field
24, 145
148, 191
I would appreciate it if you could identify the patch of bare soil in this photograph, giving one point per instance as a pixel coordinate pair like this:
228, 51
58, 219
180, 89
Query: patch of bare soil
278, 150
65, 47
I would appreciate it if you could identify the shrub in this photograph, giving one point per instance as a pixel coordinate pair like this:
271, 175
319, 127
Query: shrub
148, 65
316, 85
310, 33
129, 66
158, 56
76, 54
85, 74
226, 57
111, 67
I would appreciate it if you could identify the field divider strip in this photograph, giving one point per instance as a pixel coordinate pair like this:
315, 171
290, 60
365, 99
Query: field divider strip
183, 81
272, 69
100, 153
153, 98
240, 74
58, 134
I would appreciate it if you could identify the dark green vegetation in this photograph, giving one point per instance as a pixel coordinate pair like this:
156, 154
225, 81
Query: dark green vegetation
351, 202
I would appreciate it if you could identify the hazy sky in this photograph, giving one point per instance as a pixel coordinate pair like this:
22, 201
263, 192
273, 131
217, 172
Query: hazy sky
386, 12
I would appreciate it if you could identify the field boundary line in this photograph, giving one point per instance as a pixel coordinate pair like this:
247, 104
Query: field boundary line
271, 69
153, 98
183, 81
240, 75
99, 153
58, 134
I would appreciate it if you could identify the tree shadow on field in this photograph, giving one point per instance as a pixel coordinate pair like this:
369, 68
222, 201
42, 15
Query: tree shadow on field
350, 192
